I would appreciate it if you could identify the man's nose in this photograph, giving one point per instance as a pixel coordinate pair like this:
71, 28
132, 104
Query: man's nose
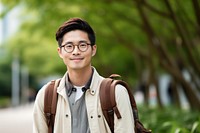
76, 50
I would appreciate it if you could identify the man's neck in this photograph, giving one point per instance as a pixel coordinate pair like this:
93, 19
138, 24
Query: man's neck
80, 77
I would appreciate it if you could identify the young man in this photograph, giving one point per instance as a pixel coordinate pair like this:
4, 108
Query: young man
78, 107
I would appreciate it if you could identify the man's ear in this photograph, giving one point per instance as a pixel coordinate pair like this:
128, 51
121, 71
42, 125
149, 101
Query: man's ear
94, 49
60, 52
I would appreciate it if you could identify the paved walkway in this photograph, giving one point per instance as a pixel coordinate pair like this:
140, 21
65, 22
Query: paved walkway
16, 120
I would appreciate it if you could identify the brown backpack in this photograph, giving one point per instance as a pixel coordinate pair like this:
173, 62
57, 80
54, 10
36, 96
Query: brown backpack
107, 91
50, 103
109, 106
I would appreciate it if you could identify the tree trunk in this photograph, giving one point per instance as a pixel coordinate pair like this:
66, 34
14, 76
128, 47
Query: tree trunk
165, 60
175, 94
190, 94
197, 13
181, 31
152, 76
151, 35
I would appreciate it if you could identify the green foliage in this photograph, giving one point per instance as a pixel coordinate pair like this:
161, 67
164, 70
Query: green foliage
5, 102
36, 43
170, 120
124, 45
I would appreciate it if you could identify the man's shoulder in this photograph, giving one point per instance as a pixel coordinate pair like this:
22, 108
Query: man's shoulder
120, 89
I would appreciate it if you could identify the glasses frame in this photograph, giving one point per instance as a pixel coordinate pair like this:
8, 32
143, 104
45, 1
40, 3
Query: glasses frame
78, 46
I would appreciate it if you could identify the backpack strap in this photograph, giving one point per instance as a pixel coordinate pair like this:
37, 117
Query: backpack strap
139, 128
108, 102
131, 97
50, 103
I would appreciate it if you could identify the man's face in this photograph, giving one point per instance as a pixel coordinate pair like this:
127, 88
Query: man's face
76, 60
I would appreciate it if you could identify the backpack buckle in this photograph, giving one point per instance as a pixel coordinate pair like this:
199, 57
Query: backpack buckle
48, 116
110, 112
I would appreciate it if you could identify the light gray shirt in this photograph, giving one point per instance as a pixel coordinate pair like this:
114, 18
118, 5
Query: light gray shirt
78, 108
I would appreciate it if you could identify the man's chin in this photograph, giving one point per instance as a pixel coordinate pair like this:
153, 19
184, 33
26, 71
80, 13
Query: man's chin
76, 67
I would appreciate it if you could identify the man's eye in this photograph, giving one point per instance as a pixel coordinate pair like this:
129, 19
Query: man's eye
68, 46
83, 45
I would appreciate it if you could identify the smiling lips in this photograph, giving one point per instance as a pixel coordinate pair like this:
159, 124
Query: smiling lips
76, 59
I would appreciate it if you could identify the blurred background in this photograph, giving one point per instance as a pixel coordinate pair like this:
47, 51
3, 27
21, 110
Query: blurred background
153, 44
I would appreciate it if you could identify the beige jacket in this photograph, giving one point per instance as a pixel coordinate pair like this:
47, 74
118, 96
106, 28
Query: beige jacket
97, 122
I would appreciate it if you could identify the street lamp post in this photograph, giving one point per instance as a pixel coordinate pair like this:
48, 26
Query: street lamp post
15, 81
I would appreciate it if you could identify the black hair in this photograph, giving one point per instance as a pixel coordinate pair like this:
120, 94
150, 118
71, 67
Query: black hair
75, 24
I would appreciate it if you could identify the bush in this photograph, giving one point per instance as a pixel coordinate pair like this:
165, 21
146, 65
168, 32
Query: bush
5, 102
170, 120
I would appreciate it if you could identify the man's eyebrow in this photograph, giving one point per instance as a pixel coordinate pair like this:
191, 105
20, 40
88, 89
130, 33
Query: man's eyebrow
81, 41
68, 43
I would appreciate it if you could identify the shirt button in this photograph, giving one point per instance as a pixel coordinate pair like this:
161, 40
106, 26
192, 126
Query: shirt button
66, 115
99, 116
92, 92
91, 117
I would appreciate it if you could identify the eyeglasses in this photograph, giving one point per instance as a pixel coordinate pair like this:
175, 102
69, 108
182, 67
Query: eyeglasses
69, 47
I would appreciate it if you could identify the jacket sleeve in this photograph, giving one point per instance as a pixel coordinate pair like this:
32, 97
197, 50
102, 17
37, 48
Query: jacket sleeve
126, 123
39, 120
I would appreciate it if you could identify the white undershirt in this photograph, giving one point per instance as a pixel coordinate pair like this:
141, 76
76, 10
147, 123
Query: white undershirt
79, 92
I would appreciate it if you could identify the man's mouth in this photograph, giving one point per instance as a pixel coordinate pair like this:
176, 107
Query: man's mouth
76, 59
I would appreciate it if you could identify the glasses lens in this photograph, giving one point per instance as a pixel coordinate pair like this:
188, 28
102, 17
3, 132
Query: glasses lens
83, 46
69, 48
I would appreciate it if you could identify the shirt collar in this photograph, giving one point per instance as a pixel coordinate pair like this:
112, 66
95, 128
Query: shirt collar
70, 87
